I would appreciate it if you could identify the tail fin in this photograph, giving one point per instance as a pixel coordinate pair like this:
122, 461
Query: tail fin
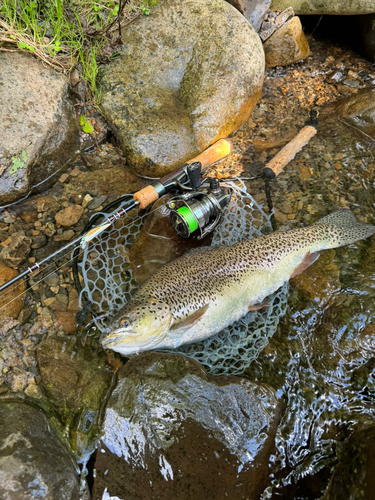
344, 228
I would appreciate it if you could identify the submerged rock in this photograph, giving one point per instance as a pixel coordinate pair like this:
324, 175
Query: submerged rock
34, 464
287, 45
356, 111
172, 431
39, 130
75, 379
341, 7
354, 476
186, 76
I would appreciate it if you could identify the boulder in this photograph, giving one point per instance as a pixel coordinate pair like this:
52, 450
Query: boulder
172, 431
34, 463
39, 131
339, 7
187, 75
287, 45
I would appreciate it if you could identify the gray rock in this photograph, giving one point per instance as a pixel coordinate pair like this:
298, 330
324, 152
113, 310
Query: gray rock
188, 75
340, 7
254, 10
172, 431
39, 128
34, 464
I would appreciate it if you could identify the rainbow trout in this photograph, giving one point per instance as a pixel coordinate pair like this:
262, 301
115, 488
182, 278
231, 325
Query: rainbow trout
208, 289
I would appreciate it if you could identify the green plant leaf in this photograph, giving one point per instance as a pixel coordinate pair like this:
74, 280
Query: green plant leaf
88, 128
82, 120
24, 156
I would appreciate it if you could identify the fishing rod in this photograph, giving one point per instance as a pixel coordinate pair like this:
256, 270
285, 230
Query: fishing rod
188, 172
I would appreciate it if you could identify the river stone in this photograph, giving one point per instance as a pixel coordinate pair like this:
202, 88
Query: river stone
173, 431
340, 7
34, 464
287, 45
11, 299
37, 120
187, 75
75, 379
254, 10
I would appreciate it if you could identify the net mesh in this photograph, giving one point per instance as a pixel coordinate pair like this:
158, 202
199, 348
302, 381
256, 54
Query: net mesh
108, 283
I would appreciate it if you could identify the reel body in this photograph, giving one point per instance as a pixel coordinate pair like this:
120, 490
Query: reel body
199, 210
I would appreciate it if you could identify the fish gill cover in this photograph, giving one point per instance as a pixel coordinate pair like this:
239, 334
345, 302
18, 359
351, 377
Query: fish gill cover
108, 283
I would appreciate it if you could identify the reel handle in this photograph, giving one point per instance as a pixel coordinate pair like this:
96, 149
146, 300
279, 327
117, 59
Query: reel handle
214, 153
288, 152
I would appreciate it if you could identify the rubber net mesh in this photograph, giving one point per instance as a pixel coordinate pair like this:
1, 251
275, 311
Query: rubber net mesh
108, 283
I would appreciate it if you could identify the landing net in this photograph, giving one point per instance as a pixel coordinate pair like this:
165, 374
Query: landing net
108, 283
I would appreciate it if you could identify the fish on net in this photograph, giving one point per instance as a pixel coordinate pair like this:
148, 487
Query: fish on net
108, 283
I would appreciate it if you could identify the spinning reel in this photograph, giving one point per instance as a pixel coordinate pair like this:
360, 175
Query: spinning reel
201, 207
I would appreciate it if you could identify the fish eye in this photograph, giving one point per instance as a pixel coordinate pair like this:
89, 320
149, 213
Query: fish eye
125, 323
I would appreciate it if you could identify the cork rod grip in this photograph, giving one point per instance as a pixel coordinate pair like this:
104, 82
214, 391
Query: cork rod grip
214, 153
146, 196
285, 155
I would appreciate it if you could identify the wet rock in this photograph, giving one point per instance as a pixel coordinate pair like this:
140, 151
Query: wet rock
186, 77
287, 45
16, 249
195, 435
254, 10
40, 128
65, 236
354, 476
66, 321
356, 111
340, 7
10, 296
34, 464
76, 379
158, 243
69, 216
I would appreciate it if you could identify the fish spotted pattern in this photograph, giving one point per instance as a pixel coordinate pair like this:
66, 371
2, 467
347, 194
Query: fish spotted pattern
209, 288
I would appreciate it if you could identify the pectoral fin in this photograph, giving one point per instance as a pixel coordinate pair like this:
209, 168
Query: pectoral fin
188, 322
258, 306
309, 259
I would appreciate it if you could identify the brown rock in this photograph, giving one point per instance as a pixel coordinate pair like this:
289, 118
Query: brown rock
66, 321
16, 250
69, 216
287, 45
201, 436
9, 296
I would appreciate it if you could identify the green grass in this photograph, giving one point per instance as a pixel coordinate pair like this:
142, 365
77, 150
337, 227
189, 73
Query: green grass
64, 33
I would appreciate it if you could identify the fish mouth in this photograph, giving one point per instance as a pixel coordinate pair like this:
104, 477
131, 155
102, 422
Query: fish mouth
130, 342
